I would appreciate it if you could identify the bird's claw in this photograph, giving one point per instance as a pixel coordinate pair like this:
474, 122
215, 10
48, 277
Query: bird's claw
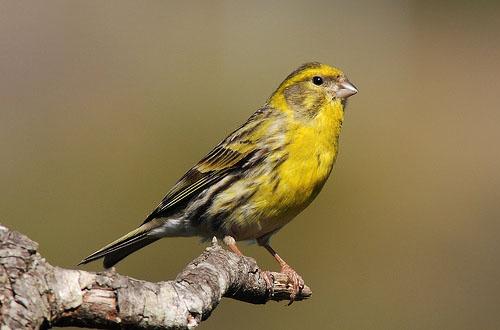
268, 279
295, 280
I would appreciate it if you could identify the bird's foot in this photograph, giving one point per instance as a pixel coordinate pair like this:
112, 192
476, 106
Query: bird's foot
268, 278
295, 280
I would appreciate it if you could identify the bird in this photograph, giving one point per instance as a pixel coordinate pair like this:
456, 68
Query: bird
259, 177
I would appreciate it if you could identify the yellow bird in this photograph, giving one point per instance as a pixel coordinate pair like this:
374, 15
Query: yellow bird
258, 178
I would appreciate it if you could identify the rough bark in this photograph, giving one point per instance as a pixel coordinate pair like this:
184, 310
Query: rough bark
35, 294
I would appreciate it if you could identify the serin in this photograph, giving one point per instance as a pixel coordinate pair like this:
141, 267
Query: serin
258, 178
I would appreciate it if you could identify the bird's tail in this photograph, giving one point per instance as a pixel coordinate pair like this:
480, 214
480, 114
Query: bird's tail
125, 245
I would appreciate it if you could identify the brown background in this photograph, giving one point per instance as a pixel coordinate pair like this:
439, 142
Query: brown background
103, 105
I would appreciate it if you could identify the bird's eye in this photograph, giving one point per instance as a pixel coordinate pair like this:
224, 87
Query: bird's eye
317, 80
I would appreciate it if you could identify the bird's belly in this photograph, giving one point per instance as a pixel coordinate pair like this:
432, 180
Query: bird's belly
263, 203
299, 183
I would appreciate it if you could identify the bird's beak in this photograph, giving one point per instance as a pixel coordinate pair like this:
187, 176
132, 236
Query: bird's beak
345, 89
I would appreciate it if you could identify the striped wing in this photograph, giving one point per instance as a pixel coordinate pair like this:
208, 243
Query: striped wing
231, 155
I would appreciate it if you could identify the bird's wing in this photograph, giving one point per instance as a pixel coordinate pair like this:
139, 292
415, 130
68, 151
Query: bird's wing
234, 153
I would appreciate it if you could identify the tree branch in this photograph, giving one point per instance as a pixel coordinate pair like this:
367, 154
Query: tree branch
35, 294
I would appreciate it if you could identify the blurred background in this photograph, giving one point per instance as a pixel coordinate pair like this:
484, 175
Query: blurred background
104, 105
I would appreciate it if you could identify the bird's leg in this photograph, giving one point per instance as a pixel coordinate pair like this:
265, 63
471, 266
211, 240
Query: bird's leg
231, 244
293, 277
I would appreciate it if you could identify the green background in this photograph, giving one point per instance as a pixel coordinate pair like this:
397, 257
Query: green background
104, 105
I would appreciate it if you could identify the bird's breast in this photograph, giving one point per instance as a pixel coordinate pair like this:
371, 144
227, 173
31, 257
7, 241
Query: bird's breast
306, 162
310, 157
270, 195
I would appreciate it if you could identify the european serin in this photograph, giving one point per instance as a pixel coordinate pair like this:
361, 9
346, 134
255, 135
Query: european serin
258, 178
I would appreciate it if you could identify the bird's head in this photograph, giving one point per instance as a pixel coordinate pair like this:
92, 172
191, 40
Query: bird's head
312, 86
